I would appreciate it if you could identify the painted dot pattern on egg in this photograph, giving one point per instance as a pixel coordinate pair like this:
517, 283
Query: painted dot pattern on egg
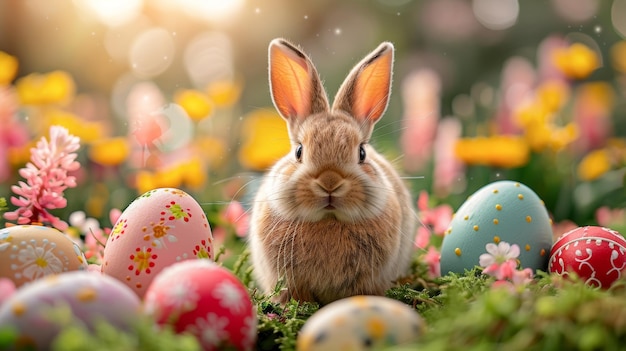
31, 252
360, 323
87, 297
159, 228
501, 211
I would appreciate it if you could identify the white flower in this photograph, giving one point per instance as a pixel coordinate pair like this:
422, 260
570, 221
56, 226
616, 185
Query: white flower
498, 253
39, 261
249, 331
230, 296
181, 296
211, 330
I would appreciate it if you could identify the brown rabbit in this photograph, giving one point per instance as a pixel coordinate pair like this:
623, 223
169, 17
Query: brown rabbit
331, 219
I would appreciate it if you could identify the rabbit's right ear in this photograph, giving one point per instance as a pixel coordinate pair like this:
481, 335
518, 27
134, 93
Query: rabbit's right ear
296, 88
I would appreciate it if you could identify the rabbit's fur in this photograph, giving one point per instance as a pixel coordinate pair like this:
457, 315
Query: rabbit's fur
332, 218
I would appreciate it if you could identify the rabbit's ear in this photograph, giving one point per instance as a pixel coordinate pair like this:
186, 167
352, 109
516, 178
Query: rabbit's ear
296, 88
365, 92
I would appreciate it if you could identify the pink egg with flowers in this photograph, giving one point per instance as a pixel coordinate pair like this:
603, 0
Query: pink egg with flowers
206, 300
595, 254
161, 227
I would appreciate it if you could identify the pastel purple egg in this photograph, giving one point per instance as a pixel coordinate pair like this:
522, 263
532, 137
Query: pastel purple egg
39, 311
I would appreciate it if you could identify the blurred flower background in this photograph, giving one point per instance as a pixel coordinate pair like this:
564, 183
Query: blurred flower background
166, 93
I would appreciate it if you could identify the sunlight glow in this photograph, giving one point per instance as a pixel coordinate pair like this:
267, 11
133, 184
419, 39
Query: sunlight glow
216, 11
111, 12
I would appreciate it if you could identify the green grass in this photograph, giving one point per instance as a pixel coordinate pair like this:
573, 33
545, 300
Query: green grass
462, 312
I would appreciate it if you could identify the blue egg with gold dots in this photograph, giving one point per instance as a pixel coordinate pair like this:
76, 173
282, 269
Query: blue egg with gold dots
501, 211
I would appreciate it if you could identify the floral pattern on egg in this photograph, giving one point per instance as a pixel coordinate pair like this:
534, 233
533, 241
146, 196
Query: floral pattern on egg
31, 252
206, 300
159, 228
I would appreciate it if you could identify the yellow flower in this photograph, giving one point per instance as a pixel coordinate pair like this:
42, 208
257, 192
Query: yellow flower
594, 165
552, 95
190, 173
536, 119
224, 93
498, 151
597, 96
86, 131
563, 136
213, 150
196, 103
97, 200
193, 173
618, 56
144, 181
531, 114
40, 89
576, 61
265, 140
8, 68
18, 156
109, 152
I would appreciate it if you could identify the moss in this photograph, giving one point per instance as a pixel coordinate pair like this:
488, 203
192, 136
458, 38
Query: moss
462, 312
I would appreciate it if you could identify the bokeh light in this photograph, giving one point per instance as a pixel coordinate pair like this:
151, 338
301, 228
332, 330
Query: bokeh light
208, 57
111, 12
152, 52
496, 14
618, 17
576, 11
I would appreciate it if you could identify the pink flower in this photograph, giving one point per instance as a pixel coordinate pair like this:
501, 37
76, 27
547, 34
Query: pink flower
433, 220
236, 216
610, 218
518, 279
421, 92
448, 169
95, 237
500, 260
46, 178
7, 288
12, 133
432, 259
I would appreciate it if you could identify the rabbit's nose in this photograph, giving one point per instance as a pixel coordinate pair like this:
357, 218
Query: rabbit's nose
329, 181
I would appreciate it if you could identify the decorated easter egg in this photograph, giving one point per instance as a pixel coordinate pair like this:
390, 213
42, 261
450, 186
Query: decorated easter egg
501, 211
39, 311
206, 300
595, 254
29, 252
360, 323
161, 227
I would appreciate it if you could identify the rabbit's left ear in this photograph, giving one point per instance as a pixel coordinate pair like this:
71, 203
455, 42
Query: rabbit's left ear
365, 92
296, 87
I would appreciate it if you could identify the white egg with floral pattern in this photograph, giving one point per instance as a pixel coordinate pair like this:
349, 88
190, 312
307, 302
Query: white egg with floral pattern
206, 300
30, 252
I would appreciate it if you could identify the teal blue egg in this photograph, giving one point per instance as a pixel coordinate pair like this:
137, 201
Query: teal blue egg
501, 211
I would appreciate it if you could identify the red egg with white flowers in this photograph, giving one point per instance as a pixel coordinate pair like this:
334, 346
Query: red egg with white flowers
206, 300
595, 254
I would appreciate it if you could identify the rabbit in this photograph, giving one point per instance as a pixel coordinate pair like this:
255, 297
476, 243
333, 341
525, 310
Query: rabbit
332, 218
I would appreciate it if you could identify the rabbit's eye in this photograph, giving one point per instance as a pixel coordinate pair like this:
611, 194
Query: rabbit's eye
361, 153
299, 152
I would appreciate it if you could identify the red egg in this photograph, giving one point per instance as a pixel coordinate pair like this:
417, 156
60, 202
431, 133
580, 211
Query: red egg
595, 254
206, 300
